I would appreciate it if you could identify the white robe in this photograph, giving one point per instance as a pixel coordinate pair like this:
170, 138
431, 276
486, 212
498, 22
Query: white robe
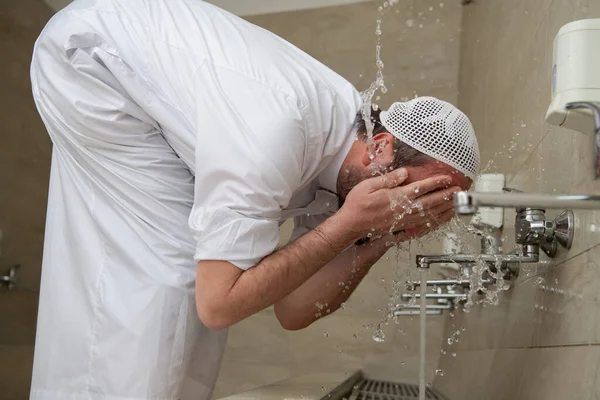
180, 133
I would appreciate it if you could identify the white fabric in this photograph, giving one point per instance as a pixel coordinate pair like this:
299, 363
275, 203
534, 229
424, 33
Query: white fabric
180, 133
438, 129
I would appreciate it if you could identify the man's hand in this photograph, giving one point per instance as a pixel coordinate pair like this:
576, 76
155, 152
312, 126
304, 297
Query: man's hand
225, 294
381, 205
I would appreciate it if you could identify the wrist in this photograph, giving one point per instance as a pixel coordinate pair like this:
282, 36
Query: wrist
341, 228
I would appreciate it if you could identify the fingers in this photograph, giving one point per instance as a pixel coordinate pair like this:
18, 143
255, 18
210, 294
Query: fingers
434, 223
389, 180
438, 198
432, 216
420, 188
440, 209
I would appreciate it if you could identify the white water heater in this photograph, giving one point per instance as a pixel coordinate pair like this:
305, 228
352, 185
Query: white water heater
575, 75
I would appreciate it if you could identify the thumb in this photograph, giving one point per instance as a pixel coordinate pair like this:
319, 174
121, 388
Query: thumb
389, 180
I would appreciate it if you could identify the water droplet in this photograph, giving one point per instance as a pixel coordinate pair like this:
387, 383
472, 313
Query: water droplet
325, 334
450, 341
453, 354
443, 351
439, 372
379, 336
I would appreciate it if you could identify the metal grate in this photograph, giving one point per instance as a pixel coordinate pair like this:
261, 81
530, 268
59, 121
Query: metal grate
369, 389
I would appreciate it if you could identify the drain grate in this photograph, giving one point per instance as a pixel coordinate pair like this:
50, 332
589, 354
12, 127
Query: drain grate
370, 389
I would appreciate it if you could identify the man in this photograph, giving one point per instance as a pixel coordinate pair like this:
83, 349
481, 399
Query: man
183, 137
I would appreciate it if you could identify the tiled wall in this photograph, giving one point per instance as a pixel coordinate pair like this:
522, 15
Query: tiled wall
24, 171
420, 52
542, 341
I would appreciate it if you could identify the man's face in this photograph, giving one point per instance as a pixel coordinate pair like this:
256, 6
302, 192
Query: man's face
359, 165
459, 179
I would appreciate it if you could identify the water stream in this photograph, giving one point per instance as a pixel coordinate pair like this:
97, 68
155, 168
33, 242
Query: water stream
423, 286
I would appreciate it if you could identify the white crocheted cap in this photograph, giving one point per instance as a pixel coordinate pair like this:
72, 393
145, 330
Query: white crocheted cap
438, 129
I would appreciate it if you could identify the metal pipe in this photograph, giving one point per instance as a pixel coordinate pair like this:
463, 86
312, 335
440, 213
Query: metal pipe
416, 312
407, 296
446, 306
446, 282
470, 258
595, 109
466, 203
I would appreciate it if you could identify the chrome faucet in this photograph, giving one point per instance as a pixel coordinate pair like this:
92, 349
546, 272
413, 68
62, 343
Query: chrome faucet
532, 232
444, 301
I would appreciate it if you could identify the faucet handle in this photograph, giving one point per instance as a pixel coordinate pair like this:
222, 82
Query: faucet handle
10, 280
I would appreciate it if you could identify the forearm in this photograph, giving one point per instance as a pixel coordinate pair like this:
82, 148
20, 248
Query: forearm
331, 286
224, 302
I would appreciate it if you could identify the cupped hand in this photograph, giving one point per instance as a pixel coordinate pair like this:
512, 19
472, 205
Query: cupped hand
383, 204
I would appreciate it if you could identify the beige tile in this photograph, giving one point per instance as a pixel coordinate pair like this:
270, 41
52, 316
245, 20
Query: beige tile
515, 119
505, 374
558, 373
487, 326
327, 338
567, 301
18, 316
259, 338
482, 374
325, 364
15, 372
465, 375
307, 387
242, 376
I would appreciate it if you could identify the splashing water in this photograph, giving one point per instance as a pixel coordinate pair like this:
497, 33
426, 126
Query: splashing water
379, 336
377, 84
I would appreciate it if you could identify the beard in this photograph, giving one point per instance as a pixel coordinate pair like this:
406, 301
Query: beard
348, 179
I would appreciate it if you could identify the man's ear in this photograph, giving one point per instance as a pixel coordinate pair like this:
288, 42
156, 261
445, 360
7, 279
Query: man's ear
381, 149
